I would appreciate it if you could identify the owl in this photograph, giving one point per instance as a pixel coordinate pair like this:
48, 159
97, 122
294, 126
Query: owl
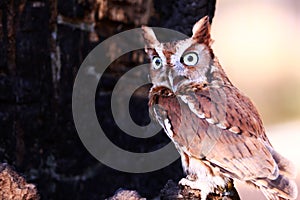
215, 128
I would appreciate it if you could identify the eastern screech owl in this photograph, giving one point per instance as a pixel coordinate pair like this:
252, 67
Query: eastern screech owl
215, 128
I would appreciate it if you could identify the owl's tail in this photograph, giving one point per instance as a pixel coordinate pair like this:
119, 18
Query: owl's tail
279, 189
283, 186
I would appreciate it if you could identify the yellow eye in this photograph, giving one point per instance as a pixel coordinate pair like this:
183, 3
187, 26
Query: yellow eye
156, 62
190, 59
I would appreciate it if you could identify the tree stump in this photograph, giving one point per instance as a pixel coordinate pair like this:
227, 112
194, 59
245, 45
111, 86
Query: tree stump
14, 187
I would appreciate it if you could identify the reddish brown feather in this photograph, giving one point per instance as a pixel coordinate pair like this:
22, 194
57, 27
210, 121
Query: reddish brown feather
232, 152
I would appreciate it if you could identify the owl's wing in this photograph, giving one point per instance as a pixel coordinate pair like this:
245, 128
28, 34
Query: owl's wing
224, 129
234, 138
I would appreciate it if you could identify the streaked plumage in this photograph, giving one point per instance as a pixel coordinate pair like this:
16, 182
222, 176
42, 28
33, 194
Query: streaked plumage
215, 128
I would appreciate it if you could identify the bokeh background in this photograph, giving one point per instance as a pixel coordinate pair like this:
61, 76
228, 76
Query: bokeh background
258, 44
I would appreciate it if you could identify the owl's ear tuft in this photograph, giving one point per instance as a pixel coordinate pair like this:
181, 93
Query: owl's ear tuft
150, 38
201, 31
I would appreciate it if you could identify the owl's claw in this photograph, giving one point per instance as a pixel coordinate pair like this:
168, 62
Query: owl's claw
196, 185
187, 182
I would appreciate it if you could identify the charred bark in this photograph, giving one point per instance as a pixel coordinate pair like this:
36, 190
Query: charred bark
42, 44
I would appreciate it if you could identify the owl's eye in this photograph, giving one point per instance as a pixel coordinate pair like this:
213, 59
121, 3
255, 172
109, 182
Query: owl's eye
156, 62
190, 59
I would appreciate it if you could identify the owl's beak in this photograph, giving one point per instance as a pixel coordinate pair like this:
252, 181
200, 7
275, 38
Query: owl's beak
176, 80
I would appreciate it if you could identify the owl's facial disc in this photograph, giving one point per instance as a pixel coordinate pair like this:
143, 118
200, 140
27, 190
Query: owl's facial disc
179, 63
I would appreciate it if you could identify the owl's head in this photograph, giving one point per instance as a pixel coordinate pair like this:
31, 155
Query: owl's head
180, 62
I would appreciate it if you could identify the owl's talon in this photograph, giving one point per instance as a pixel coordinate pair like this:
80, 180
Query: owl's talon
186, 182
196, 185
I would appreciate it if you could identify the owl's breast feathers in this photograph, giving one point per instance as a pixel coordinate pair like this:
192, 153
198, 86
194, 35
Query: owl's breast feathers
217, 123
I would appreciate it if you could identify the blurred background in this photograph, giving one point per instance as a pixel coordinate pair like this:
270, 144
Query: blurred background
258, 44
43, 43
